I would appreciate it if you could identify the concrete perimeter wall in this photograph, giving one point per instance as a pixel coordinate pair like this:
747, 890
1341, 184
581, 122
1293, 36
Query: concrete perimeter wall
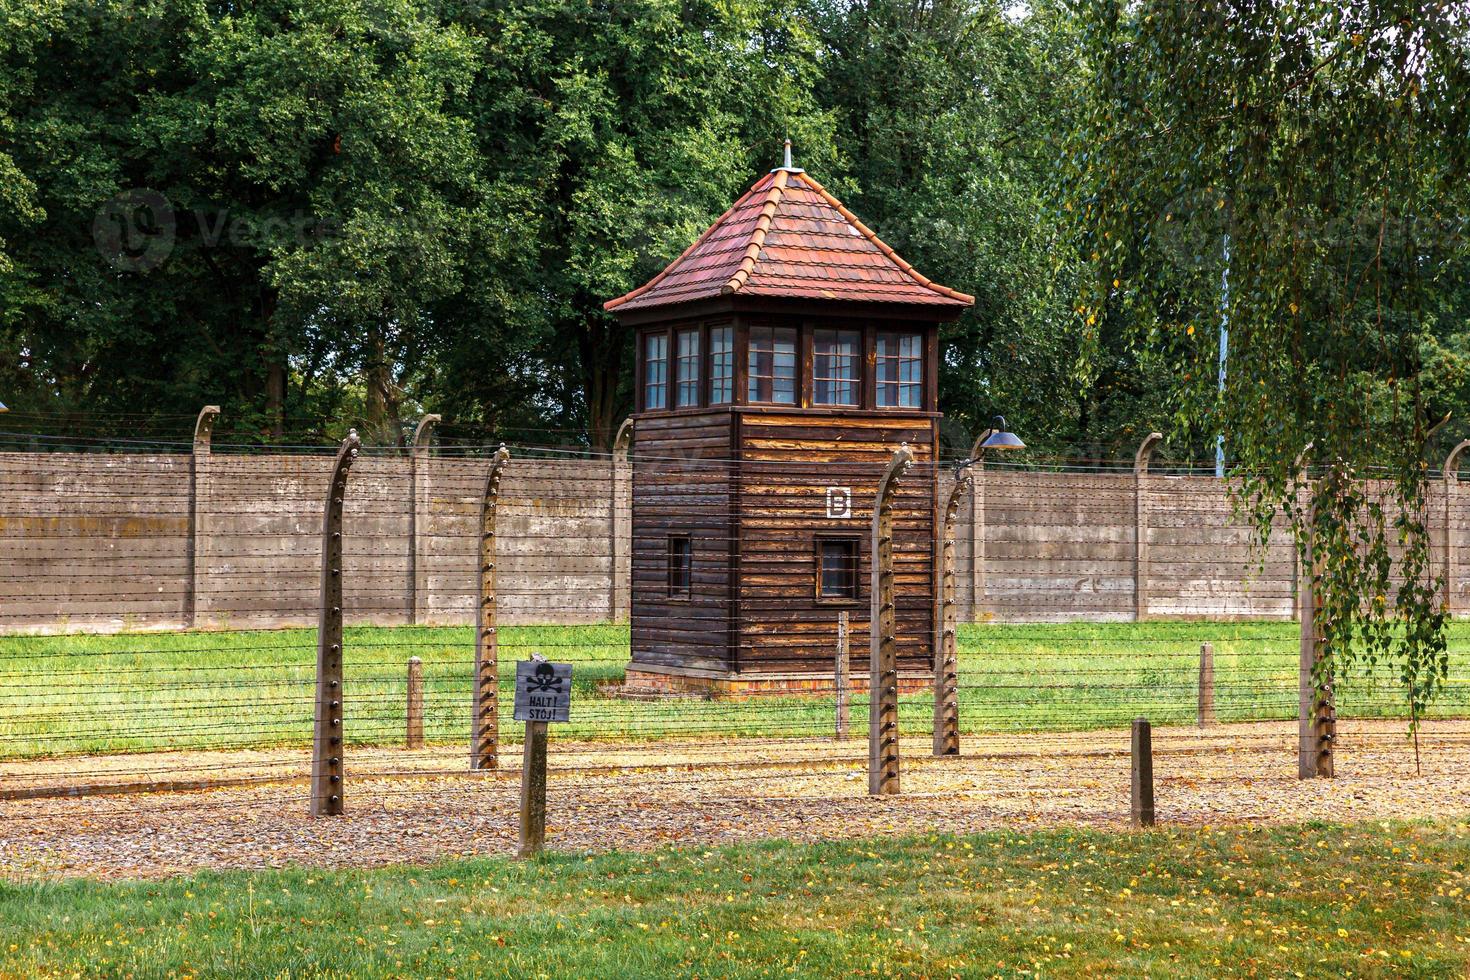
110, 542
1119, 546
113, 542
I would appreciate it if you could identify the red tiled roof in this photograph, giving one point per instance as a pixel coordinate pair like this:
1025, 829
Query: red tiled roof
788, 237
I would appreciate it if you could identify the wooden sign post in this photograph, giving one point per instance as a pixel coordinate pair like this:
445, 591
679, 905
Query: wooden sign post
543, 695
533, 791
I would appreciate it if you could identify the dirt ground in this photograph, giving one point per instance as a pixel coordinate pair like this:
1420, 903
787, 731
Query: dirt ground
419, 806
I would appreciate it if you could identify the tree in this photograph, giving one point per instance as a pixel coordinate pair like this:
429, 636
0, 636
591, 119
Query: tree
299, 179
1326, 146
612, 135
951, 115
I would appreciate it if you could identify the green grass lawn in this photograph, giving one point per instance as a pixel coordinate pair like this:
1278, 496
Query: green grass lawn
147, 691
1384, 900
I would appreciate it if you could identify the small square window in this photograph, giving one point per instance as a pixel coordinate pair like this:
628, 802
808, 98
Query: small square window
835, 367
900, 362
655, 371
837, 568
681, 565
772, 365
686, 368
721, 365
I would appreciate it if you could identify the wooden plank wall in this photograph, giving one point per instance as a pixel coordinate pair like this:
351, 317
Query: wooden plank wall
684, 487
794, 458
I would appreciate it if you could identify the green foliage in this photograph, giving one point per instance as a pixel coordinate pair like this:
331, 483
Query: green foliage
949, 122
382, 209
1328, 144
314, 183
610, 136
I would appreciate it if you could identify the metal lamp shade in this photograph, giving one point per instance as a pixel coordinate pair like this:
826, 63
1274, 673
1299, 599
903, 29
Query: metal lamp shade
1000, 438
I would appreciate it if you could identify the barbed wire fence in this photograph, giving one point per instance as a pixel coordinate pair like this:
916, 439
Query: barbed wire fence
162, 616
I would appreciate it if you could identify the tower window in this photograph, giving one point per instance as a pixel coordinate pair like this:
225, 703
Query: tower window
681, 565
837, 568
835, 359
721, 365
773, 365
686, 369
656, 371
900, 363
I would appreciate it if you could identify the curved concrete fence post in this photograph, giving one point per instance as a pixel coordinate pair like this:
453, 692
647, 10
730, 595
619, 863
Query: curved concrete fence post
1451, 473
620, 524
485, 703
883, 636
946, 643
198, 494
1141, 459
418, 521
327, 743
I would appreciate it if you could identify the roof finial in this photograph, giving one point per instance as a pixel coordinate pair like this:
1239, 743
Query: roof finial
787, 164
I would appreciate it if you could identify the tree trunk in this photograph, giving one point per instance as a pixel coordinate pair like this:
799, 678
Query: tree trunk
275, 394
382, 395
275, 367
603, 355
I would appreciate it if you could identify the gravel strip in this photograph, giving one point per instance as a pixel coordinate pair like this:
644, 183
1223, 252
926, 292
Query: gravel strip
658, 794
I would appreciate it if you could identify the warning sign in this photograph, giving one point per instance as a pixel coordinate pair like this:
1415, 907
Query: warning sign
543, 690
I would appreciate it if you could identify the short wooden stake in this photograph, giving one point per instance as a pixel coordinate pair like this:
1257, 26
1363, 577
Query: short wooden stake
1143, 773
533, 791
1206, 714
841, 681
415, 713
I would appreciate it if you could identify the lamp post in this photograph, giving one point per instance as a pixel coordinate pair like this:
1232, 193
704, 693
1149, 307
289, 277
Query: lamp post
1000, 438
946, 652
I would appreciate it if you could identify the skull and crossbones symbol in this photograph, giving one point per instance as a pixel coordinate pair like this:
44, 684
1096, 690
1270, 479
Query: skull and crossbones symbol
544, 679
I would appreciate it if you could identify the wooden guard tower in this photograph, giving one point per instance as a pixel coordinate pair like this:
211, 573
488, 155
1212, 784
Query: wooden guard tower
781, 359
